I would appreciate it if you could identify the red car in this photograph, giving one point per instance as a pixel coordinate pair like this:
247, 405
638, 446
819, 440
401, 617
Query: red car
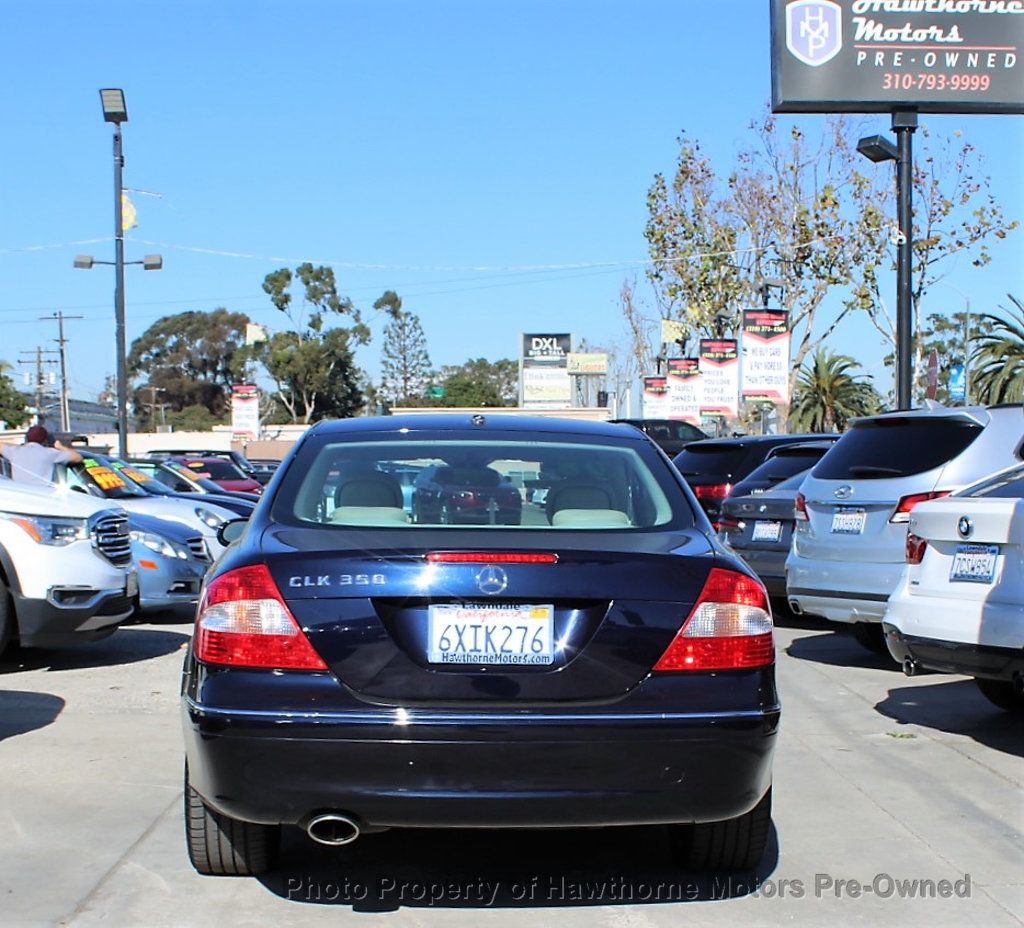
222, 472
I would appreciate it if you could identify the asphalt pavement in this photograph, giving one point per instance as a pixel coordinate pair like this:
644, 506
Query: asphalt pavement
897, 802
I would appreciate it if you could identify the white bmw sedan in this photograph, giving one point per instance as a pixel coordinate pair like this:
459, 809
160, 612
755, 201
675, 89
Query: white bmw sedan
959, 606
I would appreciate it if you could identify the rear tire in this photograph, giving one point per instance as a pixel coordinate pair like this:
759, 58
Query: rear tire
870, 635
735, 844
1001, 693
223, 846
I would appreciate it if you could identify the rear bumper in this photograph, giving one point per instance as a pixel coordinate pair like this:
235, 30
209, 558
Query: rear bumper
393, 767
840, 592
974, 660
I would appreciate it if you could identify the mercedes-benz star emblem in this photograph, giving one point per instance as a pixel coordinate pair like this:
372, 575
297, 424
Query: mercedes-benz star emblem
964, 526
491, 580
843, 492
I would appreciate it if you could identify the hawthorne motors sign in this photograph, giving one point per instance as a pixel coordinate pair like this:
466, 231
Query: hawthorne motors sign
863, 56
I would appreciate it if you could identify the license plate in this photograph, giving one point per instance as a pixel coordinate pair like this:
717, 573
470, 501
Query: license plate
766, 531
974, 564
468, 634
848, 521
132, 585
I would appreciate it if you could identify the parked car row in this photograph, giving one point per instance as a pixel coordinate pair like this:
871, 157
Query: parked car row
909, 532
103, 541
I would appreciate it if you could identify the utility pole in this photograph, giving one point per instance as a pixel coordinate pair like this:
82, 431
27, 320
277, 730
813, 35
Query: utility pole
40, 377
65, 410
153, 405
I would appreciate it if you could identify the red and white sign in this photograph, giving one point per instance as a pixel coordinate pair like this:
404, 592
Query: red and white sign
720, 373
685, 389
655, 397
766, 355
245, 411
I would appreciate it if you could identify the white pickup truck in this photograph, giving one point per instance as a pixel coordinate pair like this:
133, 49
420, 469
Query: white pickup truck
66, 571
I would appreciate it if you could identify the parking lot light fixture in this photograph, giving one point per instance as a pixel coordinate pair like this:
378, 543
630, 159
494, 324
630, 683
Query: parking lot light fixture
114, 109
878, 149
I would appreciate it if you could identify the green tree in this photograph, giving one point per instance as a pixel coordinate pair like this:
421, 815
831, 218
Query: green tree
13, 406
947, 335
463, 389
809, 216
405, 361
497, 382
829, 392
189, 359
999, 356
192, 419
312, 364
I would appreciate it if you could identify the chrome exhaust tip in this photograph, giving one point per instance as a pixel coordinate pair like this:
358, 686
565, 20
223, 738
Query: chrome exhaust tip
909, 667
794, 607
332, 829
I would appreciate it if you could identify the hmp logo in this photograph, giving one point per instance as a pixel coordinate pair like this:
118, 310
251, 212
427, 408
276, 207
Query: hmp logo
814, 30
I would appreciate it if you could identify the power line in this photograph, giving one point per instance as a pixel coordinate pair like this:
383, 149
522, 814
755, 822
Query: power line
65, 411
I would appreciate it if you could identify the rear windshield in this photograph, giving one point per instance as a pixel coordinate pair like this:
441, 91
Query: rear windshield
216, 470
696, 460
411, 484
781, 466
1007, 485
881, 449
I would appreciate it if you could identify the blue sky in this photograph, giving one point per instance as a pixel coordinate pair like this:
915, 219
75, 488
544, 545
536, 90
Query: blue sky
430, 138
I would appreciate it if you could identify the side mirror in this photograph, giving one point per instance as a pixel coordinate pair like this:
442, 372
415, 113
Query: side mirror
232, 531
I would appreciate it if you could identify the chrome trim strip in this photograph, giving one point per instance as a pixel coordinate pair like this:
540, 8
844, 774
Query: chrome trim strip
418, 717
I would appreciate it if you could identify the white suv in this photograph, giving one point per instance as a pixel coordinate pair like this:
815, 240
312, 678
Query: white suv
65, 567
853, 509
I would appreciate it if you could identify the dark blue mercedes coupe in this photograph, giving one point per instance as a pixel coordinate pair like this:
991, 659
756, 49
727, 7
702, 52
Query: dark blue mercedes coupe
360, 662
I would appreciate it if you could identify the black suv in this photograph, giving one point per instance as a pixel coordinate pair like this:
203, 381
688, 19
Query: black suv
671, 435
714, 466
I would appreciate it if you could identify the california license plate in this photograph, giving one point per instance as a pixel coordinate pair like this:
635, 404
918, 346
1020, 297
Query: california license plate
974, 564
848, 521
766, 531
479, 634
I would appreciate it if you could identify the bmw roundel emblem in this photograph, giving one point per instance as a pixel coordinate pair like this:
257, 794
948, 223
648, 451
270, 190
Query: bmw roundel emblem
491, 580
964, 526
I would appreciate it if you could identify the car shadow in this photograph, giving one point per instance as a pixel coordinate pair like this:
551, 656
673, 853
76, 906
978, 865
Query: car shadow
839, 650
509, 869
22, 711
126, 646
956, 707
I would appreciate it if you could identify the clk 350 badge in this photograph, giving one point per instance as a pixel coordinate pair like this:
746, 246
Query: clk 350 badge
321, 580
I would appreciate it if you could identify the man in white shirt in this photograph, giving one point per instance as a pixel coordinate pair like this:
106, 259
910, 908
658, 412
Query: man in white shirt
33, 462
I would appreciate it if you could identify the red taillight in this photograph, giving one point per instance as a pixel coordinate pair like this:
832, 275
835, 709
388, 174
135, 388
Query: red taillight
729, 627
906, 503
244, 622
712, 492
491, 557
729, 524
800, 508
915, 548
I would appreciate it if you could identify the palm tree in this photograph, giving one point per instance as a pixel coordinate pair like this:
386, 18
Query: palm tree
999, 356
829, 392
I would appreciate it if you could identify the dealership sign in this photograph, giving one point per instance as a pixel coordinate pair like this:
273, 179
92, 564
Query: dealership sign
866, 56
720, 374
655, 403
685, 389
765, 355
245, 411
545, 382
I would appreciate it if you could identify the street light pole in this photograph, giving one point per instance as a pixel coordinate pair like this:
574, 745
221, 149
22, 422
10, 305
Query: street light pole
904, 124
122, 356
